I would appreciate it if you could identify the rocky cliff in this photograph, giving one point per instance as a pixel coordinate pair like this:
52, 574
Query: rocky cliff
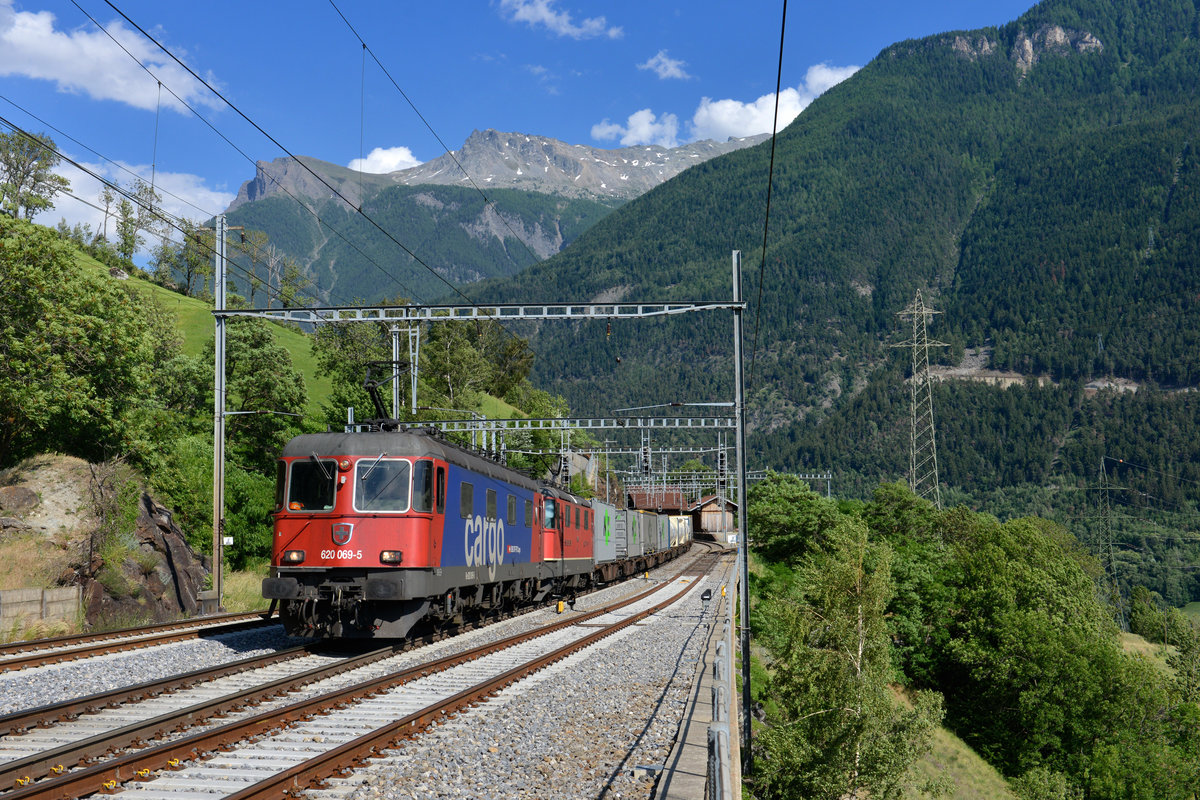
65, 522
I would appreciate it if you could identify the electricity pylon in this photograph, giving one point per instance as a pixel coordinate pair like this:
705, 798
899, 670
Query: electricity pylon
922, 464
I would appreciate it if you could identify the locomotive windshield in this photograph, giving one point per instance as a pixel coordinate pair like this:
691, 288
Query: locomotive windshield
381, 485
312, 485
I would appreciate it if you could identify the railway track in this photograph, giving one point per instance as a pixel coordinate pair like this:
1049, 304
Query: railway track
40, 652
329, 729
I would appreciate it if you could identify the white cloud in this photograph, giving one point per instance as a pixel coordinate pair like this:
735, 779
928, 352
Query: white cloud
721, 119
383, 160
666, 67
822, 76
89, 62
642, 127
606, 130
543, 13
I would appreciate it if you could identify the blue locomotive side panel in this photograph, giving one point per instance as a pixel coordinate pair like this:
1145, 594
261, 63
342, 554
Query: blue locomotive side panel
489, 523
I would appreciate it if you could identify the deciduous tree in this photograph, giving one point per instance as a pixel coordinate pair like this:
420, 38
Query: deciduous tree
74, 352
786, 517
28, 183
261, 384
842, 732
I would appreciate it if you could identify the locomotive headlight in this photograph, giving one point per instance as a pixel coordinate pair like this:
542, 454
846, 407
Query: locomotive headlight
292, 557
391, 557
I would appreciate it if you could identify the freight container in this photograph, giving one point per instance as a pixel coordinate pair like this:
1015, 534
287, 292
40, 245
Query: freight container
629, 543
647, 531
681, 530
604, 540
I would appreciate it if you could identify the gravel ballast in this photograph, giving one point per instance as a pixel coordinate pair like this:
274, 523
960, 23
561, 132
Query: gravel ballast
600, 723
39, 686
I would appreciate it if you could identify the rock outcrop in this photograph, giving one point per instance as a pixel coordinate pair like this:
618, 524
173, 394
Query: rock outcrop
60, 505
1028, 49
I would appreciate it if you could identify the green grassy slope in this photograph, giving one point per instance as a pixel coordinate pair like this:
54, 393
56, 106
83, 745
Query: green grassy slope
969, 776
196, 328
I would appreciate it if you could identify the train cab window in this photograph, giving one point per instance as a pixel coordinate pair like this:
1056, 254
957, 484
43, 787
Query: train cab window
528, 513
382, 484
422, 494
551, 519
441, 490
511, 517
312, 484
466, 500
491, 503
576, 516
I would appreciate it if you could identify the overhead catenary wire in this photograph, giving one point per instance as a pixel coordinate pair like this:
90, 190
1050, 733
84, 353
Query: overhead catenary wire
762, 267
307, 168
238, 150
166, 218
446, 149
125, 169
64, 135
362, 123
291, 155
154, 155
231, 264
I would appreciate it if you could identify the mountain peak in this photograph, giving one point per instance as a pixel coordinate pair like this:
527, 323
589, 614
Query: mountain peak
495, 159
538, 163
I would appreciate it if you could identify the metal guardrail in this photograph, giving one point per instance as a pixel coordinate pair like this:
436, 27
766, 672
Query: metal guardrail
722, 781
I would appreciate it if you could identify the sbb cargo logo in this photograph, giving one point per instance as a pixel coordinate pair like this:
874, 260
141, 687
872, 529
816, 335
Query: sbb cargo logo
484, 543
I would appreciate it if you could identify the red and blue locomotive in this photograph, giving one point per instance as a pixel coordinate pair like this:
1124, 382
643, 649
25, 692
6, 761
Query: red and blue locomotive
376, 531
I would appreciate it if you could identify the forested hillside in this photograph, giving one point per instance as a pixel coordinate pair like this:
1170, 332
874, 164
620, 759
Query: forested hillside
994, 629
1046, 206
1038, 182
459, 235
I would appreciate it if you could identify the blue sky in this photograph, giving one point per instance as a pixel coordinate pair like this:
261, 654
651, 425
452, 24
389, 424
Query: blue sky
599, 73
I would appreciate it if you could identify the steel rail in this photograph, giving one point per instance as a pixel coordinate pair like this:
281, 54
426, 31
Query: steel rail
117, 641
139, 765
354, 753
44, 716
80, 638
52, 762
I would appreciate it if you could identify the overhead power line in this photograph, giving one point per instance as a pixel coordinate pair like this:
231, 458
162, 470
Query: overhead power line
289, 153
762, 267
240, 152
487, 200
178, 224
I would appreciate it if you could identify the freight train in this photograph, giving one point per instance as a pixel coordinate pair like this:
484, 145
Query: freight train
377, 531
